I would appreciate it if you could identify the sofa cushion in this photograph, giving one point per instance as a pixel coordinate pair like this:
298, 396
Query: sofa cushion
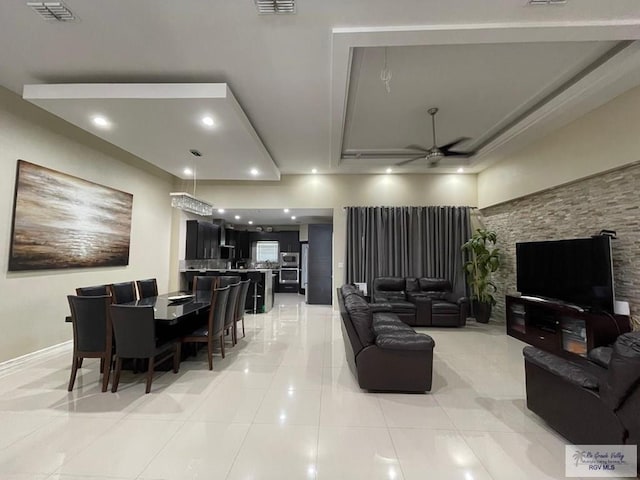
349, 289
440, 307
405, 341
361, 318
434, 285
600, 356
386, 323
568, 371
623, 374
402, 307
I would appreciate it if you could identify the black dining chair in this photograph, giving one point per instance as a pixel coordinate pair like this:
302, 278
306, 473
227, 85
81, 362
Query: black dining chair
135, 331
147, 288
123, 292
233, 282
214, 329
204, 283
93, 291
92, 334
240, 309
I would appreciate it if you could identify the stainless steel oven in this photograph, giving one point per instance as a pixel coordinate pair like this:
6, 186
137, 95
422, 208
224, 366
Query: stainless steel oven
289, 259
289, 275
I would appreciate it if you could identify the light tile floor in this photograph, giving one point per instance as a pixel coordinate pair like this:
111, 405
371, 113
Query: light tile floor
283, 404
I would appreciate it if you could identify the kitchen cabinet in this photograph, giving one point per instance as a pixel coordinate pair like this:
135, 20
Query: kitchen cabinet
243, 245
289, 241
202, 240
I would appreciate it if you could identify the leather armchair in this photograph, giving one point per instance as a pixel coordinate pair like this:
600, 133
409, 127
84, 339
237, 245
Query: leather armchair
590, 401
436, 304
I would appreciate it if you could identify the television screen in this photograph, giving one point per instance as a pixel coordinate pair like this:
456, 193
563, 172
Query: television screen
577, 271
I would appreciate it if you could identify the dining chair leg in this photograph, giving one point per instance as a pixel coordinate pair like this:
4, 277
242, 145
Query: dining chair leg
149, 374
116, 375
222, 344
210, 354
74, 371
80, 362
176, 358
243, 335
102, 365
106, 369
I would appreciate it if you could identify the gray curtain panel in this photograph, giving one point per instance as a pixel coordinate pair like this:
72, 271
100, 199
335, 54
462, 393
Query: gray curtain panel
407, 242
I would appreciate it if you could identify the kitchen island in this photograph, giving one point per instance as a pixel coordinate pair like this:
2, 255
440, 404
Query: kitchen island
261, 290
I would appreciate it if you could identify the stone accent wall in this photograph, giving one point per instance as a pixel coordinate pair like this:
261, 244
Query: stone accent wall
580, 209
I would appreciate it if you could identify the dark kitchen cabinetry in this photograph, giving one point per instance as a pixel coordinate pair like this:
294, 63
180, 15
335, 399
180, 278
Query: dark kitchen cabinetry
289, 241
243, 245
202, 240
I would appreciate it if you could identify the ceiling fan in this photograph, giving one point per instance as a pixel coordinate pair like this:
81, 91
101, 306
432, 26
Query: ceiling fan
436, 153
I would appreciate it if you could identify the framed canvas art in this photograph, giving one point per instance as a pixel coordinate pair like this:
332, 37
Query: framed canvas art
62, 221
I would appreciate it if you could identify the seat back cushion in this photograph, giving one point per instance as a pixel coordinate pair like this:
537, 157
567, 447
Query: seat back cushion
388, 289
434, 284
361, 318
350, 289
623, 375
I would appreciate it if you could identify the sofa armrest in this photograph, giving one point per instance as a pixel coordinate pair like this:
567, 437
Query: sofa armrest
600, 356
405, 341
566, 370
423, 307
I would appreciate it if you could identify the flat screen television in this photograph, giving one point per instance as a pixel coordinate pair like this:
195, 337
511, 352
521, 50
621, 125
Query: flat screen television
578, 271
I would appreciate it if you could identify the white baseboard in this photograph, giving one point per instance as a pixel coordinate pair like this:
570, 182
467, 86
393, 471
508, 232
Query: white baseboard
13, 363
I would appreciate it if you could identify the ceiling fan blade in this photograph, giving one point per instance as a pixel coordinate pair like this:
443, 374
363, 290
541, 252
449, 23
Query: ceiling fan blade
413, 146
451, 153
404, 162
446, 147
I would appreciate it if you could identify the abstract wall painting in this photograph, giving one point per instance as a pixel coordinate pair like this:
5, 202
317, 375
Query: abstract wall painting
61, 221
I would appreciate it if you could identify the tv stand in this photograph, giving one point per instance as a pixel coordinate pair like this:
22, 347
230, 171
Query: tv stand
560, 327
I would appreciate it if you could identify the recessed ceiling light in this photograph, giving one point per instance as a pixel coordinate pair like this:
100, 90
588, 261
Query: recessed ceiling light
101, 121
460, 170
250, 222
237, 217
254, 171
293, 217
221, 210
388, 170
286, 210
314, 170
208, 121
187, 171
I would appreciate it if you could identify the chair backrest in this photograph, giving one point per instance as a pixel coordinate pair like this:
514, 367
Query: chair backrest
204, 283
226, 280
91, 325
218, 310
123, 292
93, 291
232, 304
389, 289
147, 288
242, 298
135, 331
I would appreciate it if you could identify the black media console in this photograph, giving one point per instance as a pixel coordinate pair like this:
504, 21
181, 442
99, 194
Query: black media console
559, 327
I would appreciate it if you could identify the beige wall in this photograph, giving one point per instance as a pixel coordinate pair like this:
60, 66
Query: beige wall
602, 140
34, 304
337, 192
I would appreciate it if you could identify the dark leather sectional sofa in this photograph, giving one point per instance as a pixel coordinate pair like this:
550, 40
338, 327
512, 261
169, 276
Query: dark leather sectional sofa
384, 353
422, 302
589, 402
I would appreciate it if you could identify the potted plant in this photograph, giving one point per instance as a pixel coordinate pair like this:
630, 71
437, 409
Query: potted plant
484, 260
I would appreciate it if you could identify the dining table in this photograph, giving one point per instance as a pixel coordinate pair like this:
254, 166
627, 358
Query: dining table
171, 308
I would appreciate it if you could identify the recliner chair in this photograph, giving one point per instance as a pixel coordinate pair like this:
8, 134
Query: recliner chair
592, 401
436, 304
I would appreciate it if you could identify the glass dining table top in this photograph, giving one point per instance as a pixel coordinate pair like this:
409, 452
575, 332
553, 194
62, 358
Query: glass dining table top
169, 308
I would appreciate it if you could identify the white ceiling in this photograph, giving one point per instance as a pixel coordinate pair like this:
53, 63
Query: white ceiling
291, 75
275, 217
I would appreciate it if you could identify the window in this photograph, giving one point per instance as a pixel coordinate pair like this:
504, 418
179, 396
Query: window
267, 251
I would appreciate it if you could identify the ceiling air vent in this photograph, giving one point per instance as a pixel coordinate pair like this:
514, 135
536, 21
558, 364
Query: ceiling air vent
195, 152
55, 11
276, 6
547, 2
